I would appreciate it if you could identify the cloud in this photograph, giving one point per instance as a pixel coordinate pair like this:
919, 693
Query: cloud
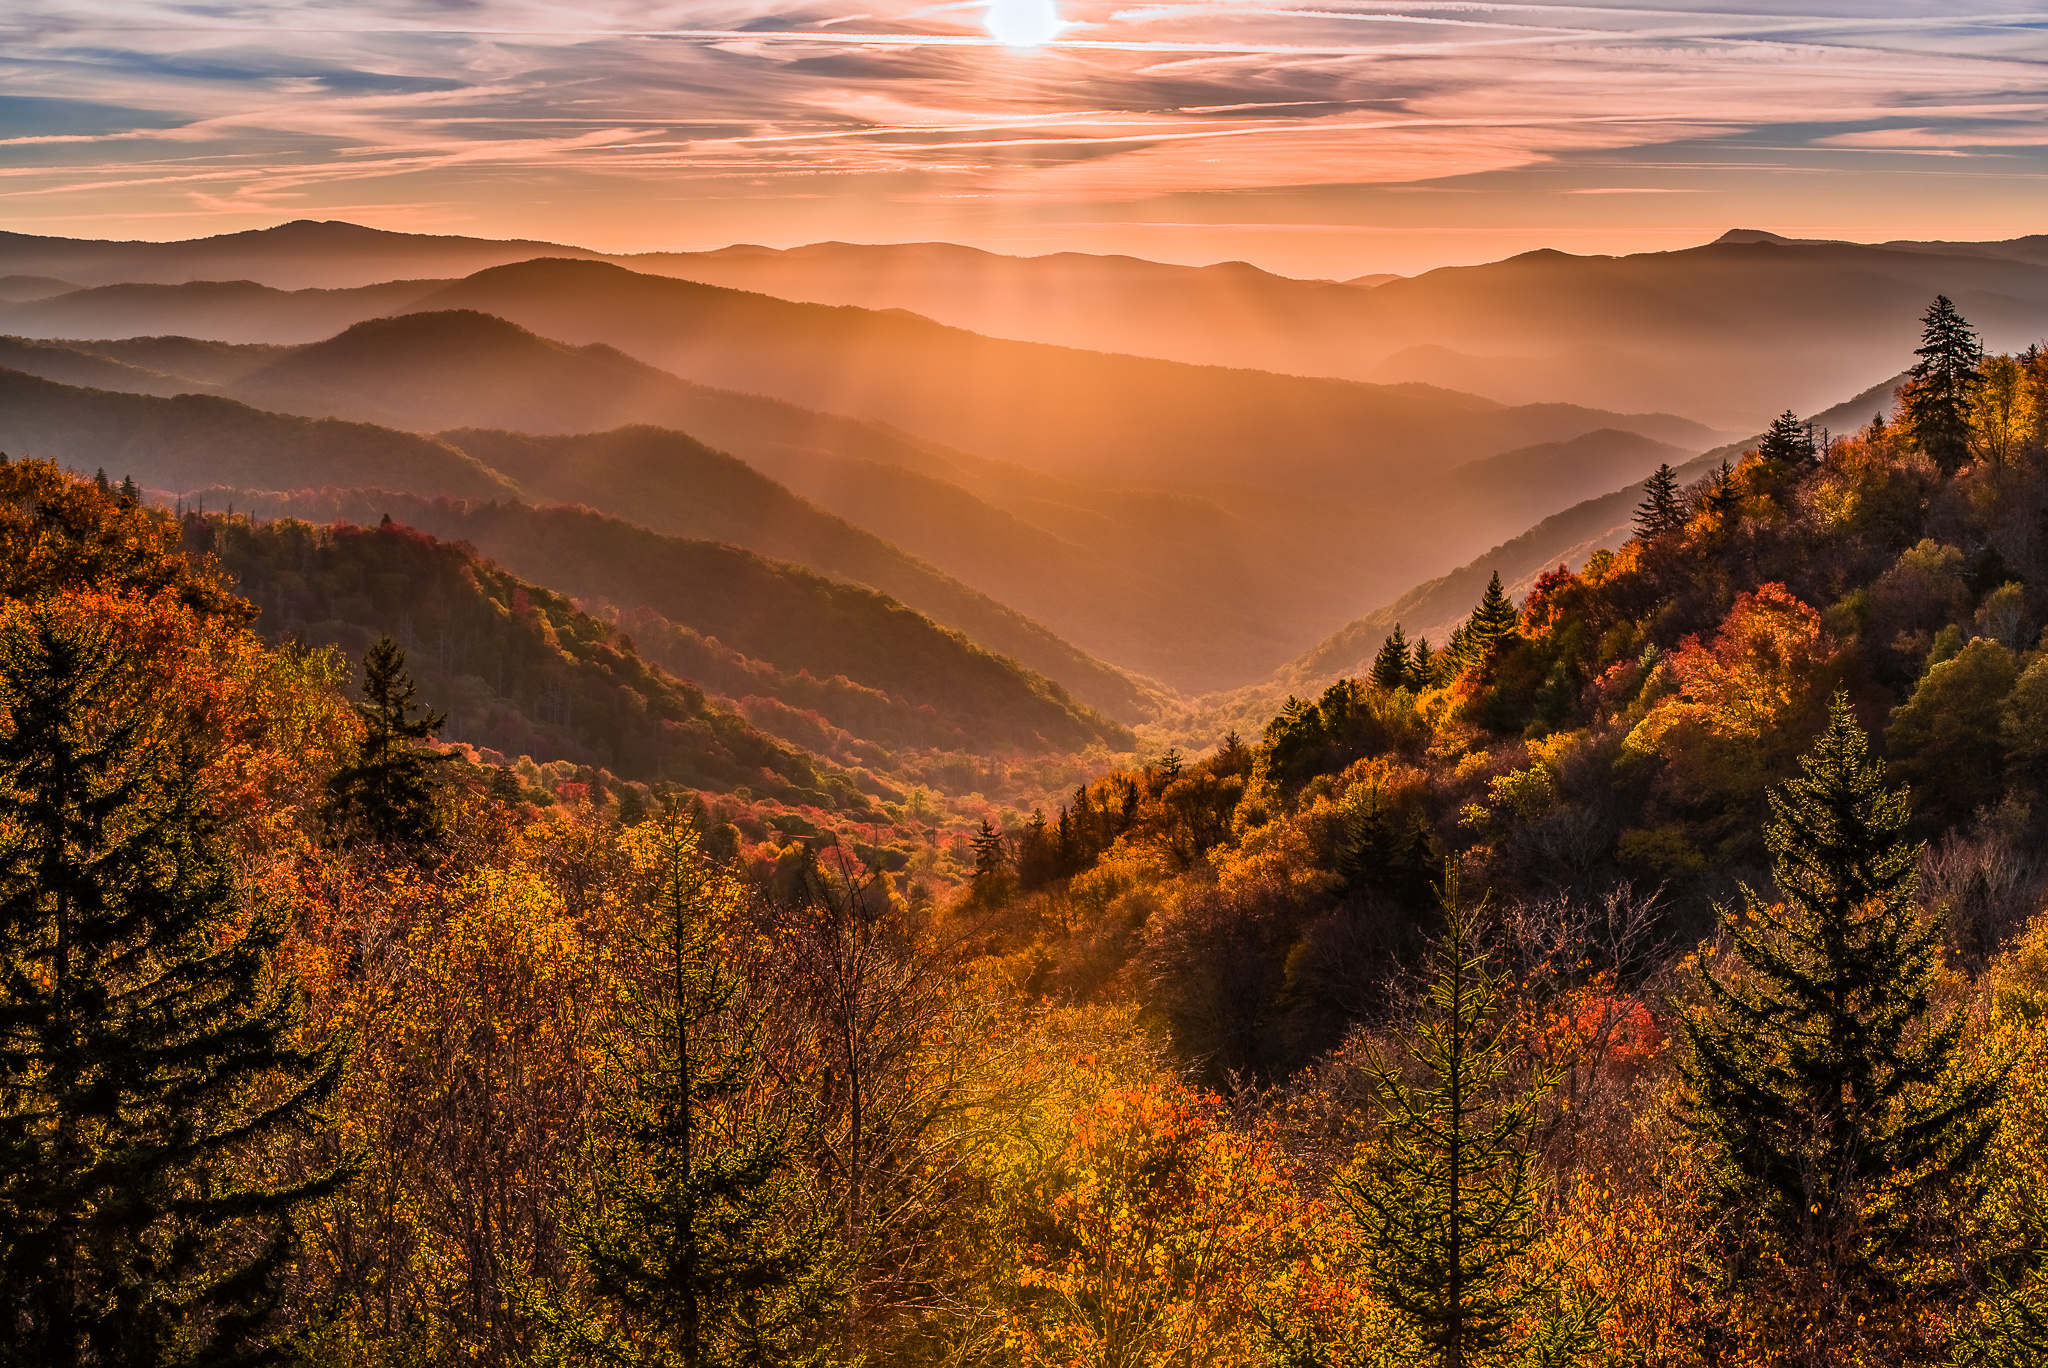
148, 108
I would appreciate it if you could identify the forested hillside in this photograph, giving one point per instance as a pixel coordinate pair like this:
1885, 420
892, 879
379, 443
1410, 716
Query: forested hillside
405, 966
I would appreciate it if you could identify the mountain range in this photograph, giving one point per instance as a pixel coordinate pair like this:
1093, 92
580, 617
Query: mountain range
1727, 333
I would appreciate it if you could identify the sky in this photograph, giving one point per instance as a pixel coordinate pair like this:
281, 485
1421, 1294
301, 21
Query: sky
1320, 138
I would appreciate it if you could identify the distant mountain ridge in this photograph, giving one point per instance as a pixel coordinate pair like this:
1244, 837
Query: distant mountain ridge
1739, 327
1269, 572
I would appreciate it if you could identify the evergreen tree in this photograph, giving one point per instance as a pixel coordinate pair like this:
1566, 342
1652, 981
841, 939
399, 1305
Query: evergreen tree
1390, 666
699, 1249
1722, 496
1493, 623
990, 861
1789, 441
1823, 1086
388, 795
505, 785
1660, 511
1376, 856
130, 495
150, 1074
1446, 1197
1422, 665
1937, 399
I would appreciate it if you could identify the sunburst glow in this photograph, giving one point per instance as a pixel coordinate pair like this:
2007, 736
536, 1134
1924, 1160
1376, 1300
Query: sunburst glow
1024, 23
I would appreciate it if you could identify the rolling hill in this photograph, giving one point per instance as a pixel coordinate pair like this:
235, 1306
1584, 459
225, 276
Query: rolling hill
191, 440
953, 694
303, 254
516, 668
1052, 408
1268, 573
1739, 328
195, 440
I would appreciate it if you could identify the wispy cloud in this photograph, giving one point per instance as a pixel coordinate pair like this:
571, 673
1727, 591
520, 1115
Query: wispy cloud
696, 120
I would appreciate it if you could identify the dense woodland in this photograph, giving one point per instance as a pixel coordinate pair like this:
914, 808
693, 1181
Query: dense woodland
1650, 973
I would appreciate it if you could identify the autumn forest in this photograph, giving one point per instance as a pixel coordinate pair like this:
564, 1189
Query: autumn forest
463, 923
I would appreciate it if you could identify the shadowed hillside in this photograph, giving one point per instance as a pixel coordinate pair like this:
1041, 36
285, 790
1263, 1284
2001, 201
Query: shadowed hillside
791, 619
517, 669
195, 439
1268, 572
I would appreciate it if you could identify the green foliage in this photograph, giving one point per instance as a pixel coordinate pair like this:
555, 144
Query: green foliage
1824, 1087
151, 1074
1349, 721
387, 796
1494, 623
1937, 401
1446, 1197
1946, 738
700, 1249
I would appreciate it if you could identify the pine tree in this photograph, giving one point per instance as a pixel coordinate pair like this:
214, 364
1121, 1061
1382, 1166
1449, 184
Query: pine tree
1660, 511
505, 785
1937, 399
150, 1072
699, 1249
1493, 623
1422, 665
990, 861
1390, 666
1446, 1198
1376, 856
1789, 441
1821, 1082
130, 495
388, 796
1722, 496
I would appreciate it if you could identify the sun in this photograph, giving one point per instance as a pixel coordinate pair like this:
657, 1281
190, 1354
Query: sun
1024, 23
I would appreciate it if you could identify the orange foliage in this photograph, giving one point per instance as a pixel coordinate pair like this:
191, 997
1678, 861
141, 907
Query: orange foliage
1162, 1229
1762, 661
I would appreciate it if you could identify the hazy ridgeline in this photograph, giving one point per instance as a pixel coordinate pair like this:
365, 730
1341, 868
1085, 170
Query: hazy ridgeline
559, 816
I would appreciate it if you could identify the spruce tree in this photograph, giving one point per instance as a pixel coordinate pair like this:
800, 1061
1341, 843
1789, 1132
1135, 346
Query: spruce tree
1493, 623
699, 1249
990, 861
1390, 666
1446, 1197
1422, 664
1660, 511
1789, 440
388, 795
1823, 1085
150, 1068
1937, 400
